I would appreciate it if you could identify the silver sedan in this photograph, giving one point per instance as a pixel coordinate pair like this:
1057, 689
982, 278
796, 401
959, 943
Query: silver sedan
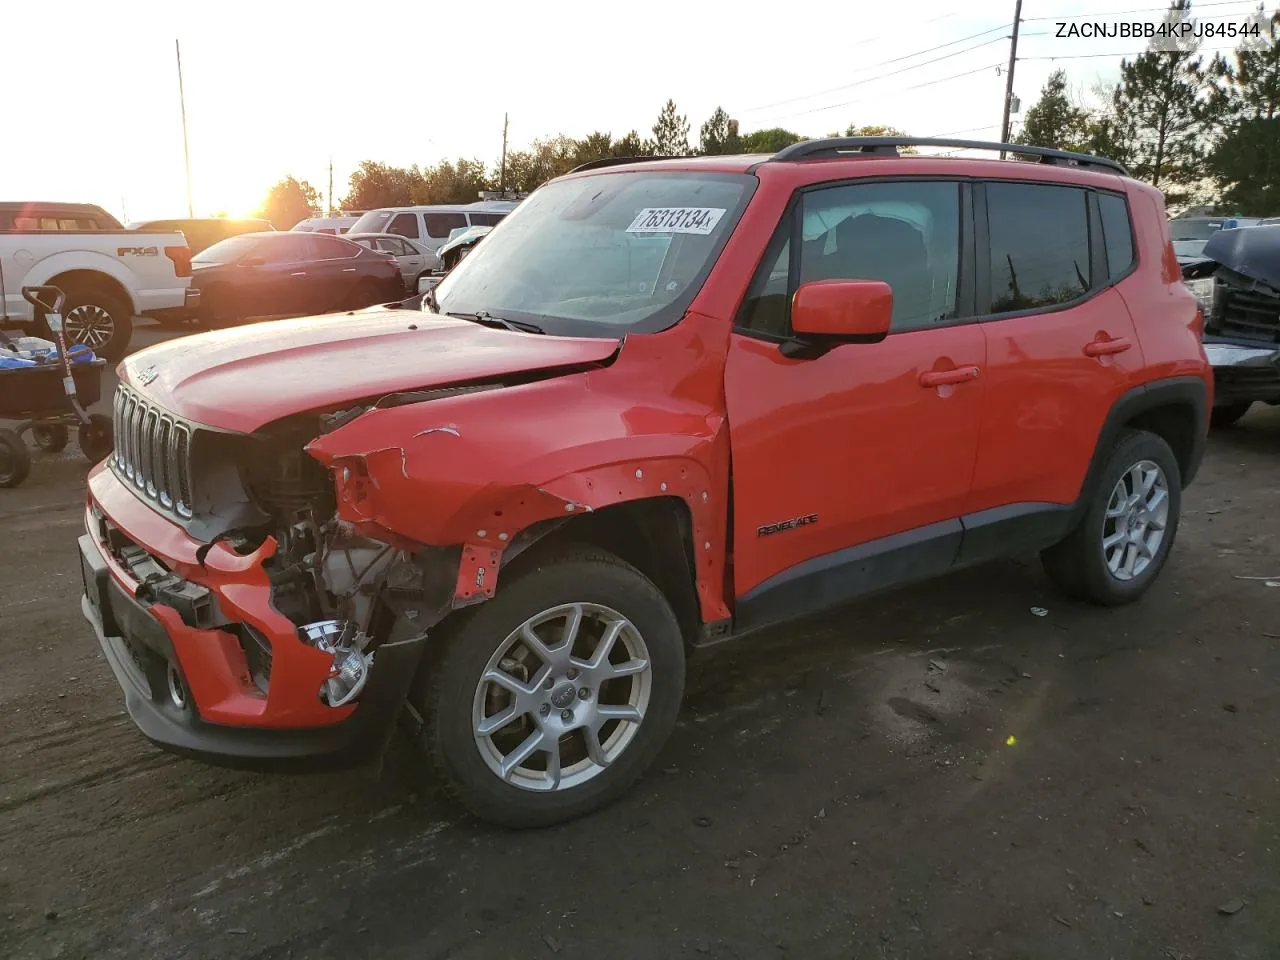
413, 259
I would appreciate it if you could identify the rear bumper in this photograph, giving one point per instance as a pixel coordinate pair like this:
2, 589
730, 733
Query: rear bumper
189, 308
221, 716
1243, 373
148, 302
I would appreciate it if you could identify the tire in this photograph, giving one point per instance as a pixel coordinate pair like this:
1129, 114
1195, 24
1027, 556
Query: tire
364, 295
95, 438
15, 459
51, 438
449, 689
1227, 414
98, 318
1079, 564
218, 308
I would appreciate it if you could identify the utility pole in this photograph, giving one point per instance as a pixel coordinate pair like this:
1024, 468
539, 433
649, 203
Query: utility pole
1008, 82
502, 177
186, 153
330, 213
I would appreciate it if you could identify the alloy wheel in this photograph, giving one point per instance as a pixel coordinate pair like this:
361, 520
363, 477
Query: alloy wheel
562, 697
1136, 519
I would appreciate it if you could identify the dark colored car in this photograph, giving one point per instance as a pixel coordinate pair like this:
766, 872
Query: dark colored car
290, 273
204, 232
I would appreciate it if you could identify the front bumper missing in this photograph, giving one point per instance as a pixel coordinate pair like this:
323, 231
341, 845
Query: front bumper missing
143, 642
1244, 373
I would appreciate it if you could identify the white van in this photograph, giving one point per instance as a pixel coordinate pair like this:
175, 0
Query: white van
431, 226
334, 225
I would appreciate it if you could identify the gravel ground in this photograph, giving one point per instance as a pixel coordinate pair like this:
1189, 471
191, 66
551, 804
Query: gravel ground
940, 772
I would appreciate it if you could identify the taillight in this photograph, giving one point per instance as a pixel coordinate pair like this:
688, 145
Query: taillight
181, 257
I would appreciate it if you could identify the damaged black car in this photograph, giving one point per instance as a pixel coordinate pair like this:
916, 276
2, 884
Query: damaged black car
1237, 281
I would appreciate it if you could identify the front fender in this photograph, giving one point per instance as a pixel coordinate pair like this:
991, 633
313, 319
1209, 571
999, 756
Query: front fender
477, 470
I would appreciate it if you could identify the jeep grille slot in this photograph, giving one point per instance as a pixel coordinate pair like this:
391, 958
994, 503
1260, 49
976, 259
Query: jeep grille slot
152, 452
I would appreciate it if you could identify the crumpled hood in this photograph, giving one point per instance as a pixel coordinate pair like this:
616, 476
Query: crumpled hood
244, 377
1253, 252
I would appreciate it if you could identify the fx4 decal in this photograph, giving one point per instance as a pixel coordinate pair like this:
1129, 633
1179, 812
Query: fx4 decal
137, 252
771, 528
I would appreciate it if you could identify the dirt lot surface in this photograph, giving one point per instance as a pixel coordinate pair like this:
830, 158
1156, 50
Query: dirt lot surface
938, 773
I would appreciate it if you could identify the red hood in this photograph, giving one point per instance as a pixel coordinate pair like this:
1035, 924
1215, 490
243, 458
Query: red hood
245, 377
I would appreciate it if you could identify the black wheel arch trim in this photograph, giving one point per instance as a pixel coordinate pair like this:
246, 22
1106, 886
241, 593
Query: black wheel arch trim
1189, 391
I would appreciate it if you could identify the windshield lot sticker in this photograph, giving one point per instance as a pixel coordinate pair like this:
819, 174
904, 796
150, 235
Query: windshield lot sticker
699, 220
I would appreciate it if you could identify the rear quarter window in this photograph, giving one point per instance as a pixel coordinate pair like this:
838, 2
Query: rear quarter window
439, 224
1117, 234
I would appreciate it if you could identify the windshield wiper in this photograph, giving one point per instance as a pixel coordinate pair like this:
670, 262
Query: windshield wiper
489, 320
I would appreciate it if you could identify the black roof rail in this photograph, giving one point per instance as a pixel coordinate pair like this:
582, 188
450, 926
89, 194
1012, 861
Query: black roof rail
615, 161
888, 146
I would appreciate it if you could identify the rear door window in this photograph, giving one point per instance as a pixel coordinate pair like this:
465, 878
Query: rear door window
1039, 245
485, 219
404, 224
331, 248
439, 224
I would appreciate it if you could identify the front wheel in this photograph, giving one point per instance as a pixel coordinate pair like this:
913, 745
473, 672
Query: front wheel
550, 700
97, 318
1124, 538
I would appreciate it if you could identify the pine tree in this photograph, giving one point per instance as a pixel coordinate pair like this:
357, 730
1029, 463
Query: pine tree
1246, 162
1162, 113
1053, 121
719, 135
671, 132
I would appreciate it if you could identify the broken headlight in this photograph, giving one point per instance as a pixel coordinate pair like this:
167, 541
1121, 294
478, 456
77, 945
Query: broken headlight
1203, 290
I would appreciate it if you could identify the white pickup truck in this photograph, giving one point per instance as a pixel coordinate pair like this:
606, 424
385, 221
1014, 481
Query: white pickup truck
109, 274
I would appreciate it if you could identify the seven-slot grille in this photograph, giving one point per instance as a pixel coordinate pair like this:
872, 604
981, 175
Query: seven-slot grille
153, 452
1245, 313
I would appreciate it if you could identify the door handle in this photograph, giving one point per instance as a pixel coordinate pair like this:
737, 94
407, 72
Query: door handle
941, 378
348, 269
1102, 348
299, 273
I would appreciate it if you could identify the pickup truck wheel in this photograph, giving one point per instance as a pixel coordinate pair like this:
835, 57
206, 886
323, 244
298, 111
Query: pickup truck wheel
98, 318
1227, 414
1123, 541
550, 700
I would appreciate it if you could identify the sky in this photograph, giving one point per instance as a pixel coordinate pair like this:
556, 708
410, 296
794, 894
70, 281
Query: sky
279, 87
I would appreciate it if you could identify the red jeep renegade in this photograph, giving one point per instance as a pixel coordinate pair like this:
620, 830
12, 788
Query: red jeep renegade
664, 403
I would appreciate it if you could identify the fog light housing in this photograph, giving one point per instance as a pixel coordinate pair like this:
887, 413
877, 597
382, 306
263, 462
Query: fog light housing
350, 670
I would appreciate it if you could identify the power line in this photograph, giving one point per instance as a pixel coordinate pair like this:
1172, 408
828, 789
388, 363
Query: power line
874, 66
1131, 53
849, 103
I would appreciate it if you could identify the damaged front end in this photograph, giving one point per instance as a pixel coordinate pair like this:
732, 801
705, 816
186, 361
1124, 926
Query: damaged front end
247, 622
1238, 286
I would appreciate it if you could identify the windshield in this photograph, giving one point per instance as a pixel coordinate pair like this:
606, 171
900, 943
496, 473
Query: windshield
371, 222
227, 251
601, 255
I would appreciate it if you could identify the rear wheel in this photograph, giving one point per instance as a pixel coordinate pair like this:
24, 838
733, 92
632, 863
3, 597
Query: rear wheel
550, 700
1124, 538
15, 460
364, 295
1227, 414
51, 438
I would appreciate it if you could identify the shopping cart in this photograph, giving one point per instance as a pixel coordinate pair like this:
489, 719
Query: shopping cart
50, 398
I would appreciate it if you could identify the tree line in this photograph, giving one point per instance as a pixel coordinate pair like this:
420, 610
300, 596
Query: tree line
374, 184
1204, 130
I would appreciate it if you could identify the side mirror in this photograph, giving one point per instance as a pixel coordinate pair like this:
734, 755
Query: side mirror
251, 262
842, 311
